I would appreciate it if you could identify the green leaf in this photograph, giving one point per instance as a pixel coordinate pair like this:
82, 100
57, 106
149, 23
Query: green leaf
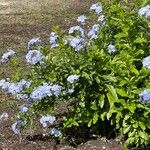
90, 123
126, 130
86, 75
144, 135
122, 82
134, 70
142, 125
109, 114
122, 93
131, 107
130, 141
103, 115
121, 35
139, 52
112, 91
135, 125
132, 134
111, 100
140, 40
109, 78
101, 100
94, 106
97, 80
95, 118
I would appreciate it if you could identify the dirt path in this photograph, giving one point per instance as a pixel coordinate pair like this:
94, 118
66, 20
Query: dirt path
24, 6
21, 20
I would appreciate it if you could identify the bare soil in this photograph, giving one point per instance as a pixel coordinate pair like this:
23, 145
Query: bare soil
22, 20
36, 141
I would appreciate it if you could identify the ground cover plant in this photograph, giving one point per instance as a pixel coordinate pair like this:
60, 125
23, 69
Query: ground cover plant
102, 73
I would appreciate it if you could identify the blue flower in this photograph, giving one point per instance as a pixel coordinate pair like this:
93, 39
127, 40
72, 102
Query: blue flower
72, 78
30, 101
5, 86
33, 42
77, 43
22, 96
56, 133
15, 88
24, 108
34, 56
146, 62
145, 11
92, 34
7, 56
17, 126
46, 90
111, 48
97, 8
41, 92
53, 40
101, 18
45, 120
56, 89
76, 28
96, 28
145, 96
81, 19
2, 82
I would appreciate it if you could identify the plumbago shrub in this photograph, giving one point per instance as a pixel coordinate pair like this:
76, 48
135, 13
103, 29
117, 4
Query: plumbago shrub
102, 73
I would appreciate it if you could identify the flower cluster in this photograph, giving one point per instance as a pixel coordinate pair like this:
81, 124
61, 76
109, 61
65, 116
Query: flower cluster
56, 133
34, 56
41, 92
76, 28
145, 11
82, 19
53, 40
17, 126
111, 48
14, 88
146, 62
21, 96
72, 78
46, 90
34, 42
77, 43
6, 56
46, 120
56, 90
93, 33
145, 96
97, 8
24, 108
101, 18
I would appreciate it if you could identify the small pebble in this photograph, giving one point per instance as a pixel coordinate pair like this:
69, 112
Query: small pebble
4, 116
103, 147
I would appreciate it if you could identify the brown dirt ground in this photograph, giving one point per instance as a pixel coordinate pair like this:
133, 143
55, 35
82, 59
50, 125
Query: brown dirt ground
9, 141
22, 20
